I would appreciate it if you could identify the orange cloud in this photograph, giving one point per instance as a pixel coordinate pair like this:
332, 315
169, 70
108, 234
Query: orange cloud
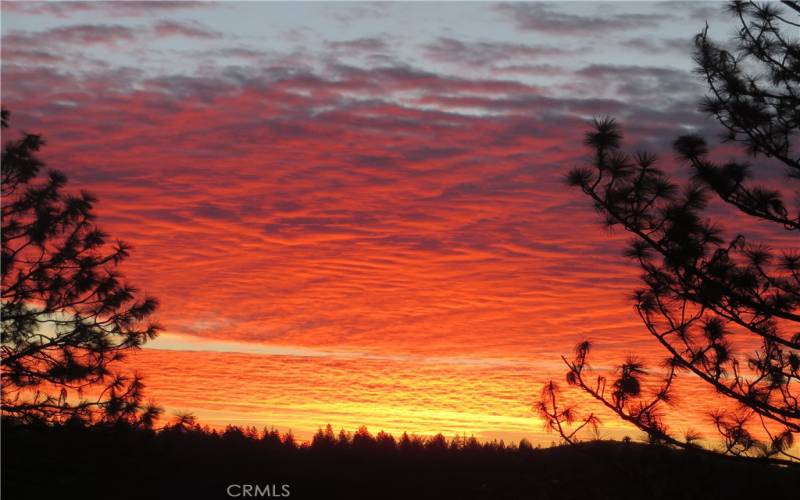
389, 211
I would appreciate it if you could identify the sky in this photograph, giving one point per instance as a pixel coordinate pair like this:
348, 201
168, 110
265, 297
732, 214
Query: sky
355, 212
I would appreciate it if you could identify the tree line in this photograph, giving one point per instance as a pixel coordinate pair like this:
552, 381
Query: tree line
69, 316
182, 459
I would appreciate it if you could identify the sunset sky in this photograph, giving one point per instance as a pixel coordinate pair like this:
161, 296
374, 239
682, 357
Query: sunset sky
352, 212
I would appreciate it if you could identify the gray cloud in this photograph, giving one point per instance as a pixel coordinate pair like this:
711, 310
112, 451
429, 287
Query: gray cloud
658, 46
485, 53
544, 18
360, 45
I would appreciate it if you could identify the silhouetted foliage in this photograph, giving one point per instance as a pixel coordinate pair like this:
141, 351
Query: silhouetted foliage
560, 419
67, 314
725, 310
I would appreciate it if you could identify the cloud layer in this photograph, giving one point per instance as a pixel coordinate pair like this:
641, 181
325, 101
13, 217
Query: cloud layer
381, 208
369, 194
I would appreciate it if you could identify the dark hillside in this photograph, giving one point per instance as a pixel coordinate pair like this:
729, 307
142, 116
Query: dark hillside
125, 463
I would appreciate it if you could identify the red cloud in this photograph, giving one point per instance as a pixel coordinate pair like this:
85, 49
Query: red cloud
385, 211
114, 8
190, 29
281, 210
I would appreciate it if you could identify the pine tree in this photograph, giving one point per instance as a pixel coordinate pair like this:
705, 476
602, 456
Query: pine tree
725, 310
67, 314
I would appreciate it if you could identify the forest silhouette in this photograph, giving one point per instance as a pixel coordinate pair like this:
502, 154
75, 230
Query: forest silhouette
73, 427
184, 460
